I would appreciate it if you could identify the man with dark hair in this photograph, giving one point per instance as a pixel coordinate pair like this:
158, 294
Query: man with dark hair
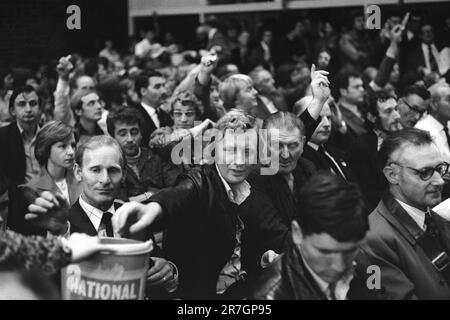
150, 87
407, 240
88, 111
144, 170
18, 163
382, 119
350, 90
326, 233
412, 104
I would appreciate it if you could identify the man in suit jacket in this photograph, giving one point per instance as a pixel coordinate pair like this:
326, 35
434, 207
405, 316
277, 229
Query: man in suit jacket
423, 56
325, 157
18, 164
99, 166
383, 119
150, 87
403, 220
351, 92
270, 100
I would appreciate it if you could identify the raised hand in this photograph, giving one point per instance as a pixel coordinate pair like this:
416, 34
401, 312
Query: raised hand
320, 85
64, 67
395, 34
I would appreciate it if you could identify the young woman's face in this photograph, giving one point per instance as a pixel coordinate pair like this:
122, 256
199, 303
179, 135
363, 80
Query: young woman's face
62, 153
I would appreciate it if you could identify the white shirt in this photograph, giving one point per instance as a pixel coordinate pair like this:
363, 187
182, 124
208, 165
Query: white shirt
62, 186
152, 113
436, 130
241, 191
416, 214
95, 215
435, 53
342, 286
443, 209
142, 48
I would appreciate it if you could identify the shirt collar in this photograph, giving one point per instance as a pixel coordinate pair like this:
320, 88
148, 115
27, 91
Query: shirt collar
313, 145
150, 110
416, 214
21, 130
241, 190
95, 214
342, 285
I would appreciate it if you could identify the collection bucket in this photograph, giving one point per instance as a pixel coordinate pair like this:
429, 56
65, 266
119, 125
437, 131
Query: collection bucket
116, 275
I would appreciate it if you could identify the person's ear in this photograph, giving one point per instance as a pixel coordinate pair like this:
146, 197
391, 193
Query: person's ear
391, 173
343, 91
143, 91
78, 112
297, 234
77, 172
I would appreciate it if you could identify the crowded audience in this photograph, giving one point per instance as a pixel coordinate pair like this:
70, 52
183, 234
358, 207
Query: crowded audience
262, 166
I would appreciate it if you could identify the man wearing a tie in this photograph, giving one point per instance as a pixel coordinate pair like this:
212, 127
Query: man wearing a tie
407, 240
326, 157
99, 165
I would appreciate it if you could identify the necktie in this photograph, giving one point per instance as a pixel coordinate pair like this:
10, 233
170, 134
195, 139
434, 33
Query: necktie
431, 226
106, 222
433, 63
333, 167
331, 291
447, 135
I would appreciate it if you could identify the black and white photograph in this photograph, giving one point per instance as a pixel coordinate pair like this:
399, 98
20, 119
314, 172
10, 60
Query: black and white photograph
238, 151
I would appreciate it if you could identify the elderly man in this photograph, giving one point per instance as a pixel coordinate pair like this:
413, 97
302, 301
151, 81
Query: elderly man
206, 235
383, 119
270, 100
99, 166
408, 241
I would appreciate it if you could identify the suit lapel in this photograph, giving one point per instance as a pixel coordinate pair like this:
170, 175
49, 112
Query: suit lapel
353, 121
79, 221
394, 213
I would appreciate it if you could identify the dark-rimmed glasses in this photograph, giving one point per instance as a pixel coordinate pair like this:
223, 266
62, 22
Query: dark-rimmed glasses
426, 173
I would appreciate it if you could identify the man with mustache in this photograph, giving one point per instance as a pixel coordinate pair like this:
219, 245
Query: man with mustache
151, 89
382, 119
407, 240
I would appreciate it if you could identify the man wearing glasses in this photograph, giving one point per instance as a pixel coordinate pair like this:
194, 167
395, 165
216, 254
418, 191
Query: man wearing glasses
412, 105
408, 241
439, 114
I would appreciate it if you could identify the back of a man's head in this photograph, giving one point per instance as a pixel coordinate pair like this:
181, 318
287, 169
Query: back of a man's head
329, 204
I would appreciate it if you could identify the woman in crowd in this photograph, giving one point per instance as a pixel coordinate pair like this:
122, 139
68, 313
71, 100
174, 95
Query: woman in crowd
55, 152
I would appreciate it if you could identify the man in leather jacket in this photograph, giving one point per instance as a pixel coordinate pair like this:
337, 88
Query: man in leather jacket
212, 247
